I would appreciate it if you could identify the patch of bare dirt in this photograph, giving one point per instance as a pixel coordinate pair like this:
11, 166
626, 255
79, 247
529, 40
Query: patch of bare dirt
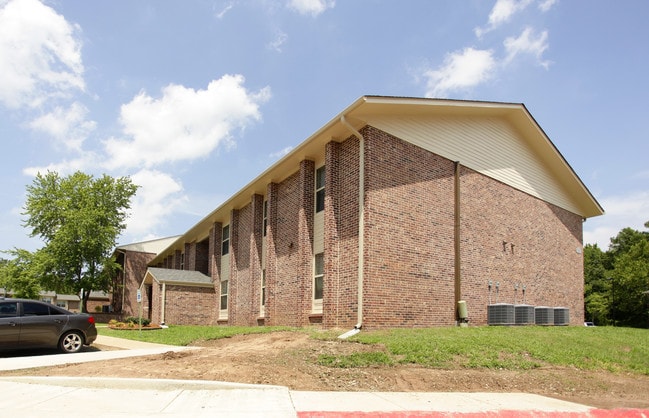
289, 359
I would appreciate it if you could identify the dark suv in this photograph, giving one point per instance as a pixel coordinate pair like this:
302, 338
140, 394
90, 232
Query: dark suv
28, 323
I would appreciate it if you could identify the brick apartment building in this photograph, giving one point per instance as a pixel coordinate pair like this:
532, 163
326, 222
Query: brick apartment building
133, 260
387, 216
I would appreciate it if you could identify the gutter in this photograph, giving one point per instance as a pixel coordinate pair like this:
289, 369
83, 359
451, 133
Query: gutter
361, 224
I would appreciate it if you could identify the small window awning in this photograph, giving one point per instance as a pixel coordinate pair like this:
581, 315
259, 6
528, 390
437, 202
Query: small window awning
177, 277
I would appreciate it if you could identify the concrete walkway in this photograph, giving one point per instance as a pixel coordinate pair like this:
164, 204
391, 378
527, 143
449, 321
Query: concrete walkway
119, 348
27, 396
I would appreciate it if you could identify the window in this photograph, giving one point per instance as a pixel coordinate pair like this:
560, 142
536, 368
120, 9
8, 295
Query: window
224, 295
35, 309
265, 216
8, 310
225, 240
263, 287
319, 189
318, 282
182, 261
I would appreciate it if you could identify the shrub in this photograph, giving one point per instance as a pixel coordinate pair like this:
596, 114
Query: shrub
136, 321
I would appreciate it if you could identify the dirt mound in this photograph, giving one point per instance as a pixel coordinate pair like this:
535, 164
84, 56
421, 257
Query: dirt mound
290, 359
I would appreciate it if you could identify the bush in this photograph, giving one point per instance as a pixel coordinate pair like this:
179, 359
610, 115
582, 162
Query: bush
136, 321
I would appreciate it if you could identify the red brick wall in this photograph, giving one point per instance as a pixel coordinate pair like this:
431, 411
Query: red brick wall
409, 270
156, 303
287, 286
340, 293
245, 263
125, 285
201, 257
409, 260
136, 267
544, 255
189, 305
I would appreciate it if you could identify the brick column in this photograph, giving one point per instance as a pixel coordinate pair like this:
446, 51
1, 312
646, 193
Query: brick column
305, 238
256, 237
271, 253
234, 253
177, 255
190, 256
330, 307
214, 265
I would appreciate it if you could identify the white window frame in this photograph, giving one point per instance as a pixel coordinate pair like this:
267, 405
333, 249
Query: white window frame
225, 273
319, 189
318, 275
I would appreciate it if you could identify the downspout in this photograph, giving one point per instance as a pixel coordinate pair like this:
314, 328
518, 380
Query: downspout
361, 221
162, 303
456, 237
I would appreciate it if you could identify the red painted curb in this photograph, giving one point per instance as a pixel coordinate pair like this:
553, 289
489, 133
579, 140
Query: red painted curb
593, 413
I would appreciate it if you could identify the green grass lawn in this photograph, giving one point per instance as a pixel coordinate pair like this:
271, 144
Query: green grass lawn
513, 348
184, 334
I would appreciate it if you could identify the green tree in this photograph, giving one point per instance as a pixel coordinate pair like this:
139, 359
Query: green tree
79, 218
622, 243
4, 275
21, 274
631, 275
597, 285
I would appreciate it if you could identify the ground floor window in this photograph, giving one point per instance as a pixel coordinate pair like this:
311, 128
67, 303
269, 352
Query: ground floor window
223, 313
263, 288
318, 282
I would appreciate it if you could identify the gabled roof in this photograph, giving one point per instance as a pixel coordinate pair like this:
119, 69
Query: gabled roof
177, 277
545, 172
153, 246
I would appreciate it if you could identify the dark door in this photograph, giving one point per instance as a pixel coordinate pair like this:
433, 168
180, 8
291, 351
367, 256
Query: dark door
149, 297
9, 325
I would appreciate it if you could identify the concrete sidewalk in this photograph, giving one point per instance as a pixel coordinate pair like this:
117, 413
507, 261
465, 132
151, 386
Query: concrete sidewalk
112, 397
119, 348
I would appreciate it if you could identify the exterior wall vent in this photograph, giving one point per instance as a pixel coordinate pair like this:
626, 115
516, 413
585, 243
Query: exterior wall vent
500, 314
544, 315
561, 316
524, 315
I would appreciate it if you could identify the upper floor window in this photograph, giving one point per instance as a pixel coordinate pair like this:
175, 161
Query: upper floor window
319, 189
225, 240
265, 216
263, 287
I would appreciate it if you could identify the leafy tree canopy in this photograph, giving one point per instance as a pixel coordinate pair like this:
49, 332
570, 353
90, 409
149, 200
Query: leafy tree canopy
79, 218
20, 275
616, 287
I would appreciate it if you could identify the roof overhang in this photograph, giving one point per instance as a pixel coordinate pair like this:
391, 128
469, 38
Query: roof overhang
176, 277
359, 114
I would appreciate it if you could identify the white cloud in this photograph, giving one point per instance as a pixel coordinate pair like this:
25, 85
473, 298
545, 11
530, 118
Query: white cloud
279, 154
311, 7
87, 160
626, 211
461, 70
222, 12
183, 124
546, 5
501, 13
69, 126
527, 43
156, 199
40, 54
280, 39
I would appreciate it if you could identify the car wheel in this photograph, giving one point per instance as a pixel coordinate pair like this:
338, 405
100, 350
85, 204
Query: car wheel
71, 342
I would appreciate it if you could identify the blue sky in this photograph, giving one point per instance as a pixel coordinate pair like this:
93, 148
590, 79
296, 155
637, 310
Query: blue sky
194, 99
